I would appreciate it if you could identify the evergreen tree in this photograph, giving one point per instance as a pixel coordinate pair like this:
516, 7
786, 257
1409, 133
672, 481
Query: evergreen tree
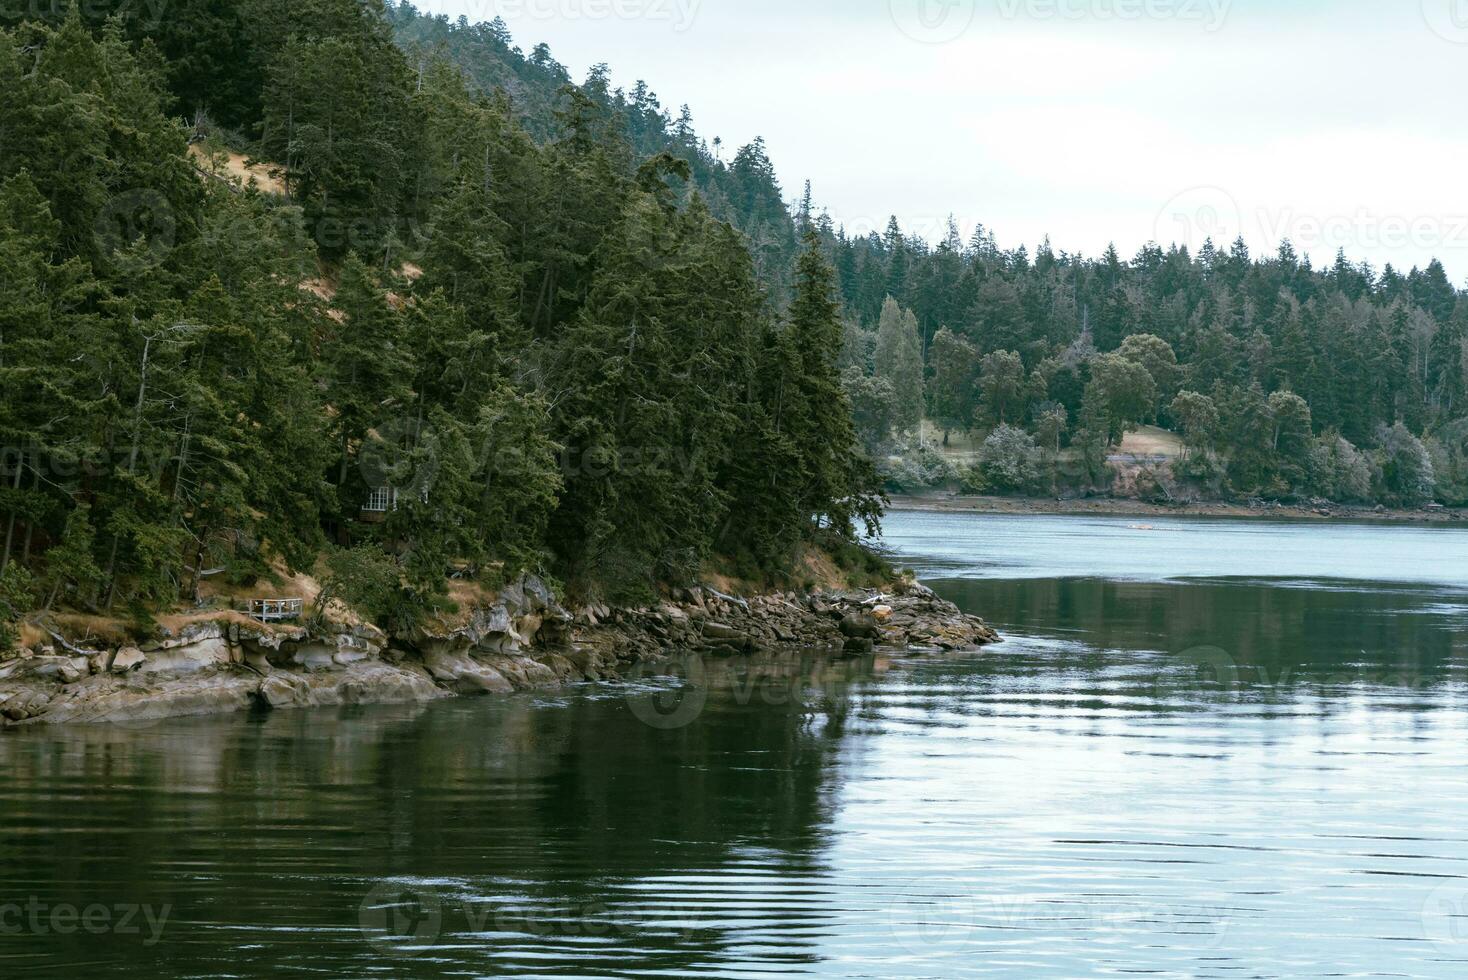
954, 386
899, 360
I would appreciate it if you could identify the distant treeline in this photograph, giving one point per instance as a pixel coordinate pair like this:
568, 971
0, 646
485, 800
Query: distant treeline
1285, 380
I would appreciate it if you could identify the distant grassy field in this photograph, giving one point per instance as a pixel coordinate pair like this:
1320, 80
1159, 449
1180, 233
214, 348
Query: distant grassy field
959, 443
1149, 440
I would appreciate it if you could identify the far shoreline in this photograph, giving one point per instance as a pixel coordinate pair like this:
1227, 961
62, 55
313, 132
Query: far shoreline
952, 503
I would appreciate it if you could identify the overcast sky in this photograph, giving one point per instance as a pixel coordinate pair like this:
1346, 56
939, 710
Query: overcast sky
1333, 122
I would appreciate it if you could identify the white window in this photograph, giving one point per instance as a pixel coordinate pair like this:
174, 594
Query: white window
381, 500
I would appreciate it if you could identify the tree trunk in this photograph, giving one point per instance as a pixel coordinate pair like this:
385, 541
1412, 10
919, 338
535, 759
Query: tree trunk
197, 573
132, 462
10, 526
30, 525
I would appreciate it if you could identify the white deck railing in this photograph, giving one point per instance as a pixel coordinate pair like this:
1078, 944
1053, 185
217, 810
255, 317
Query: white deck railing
275, 610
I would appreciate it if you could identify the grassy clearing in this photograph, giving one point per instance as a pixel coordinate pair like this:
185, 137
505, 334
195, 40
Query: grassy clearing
1149, 440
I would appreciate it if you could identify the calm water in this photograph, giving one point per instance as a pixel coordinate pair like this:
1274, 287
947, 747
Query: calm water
1206, 750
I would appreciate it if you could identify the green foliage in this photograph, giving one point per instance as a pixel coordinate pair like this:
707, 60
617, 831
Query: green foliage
913, 467
1160, 361
953, 390
873, 407
71, 564
1341, 472
367, 579
1293, 438
1448, 450
529, 350
1002, 381
1360, 346
826, 481
558, 332
17, 595
1010, 461
1197, 416
1406, 477
1121, 394
899, 361
1204, 469
336, 112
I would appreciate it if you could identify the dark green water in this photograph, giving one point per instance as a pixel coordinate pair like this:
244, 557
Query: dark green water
1206, 750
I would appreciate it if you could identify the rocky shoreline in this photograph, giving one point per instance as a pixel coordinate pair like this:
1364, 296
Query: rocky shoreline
522, 640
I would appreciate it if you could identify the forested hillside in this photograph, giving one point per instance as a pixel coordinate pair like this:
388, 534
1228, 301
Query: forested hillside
738, 185
446, 345
1286, 381
479, 318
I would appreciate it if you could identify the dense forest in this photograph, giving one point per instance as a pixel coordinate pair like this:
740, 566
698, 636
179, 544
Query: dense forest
1285, 381
446, 341
486, 319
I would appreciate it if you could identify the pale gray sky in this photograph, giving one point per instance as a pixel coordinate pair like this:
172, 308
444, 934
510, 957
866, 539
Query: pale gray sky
1332, 122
